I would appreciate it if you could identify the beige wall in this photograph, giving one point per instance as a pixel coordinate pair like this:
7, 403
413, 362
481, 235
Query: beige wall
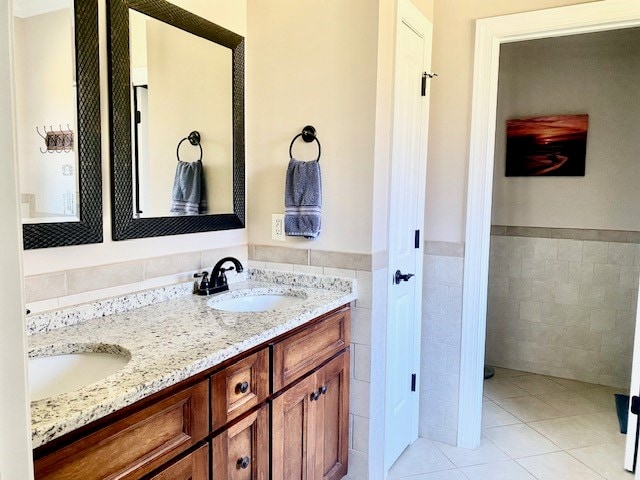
231, 15
453, 50
313, 63
595, 74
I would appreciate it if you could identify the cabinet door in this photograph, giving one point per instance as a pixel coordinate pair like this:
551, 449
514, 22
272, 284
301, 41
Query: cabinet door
137, 444
293, 434
332, 430
241, 452
194, 466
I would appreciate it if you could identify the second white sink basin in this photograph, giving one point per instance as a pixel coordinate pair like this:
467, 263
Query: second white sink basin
57, 374
255, 303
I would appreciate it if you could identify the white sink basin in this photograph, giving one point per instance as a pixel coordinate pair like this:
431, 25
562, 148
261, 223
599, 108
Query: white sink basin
53, 375
255, 303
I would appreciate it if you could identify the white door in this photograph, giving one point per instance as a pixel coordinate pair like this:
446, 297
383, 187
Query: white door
406, 217
631, 449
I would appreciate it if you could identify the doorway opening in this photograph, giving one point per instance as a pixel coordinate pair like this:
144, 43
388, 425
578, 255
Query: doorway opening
491, 34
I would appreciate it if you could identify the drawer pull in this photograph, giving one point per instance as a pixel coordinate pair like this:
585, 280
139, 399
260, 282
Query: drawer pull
243, 462
242, 387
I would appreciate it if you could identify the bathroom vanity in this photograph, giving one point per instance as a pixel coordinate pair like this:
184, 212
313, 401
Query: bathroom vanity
207, 393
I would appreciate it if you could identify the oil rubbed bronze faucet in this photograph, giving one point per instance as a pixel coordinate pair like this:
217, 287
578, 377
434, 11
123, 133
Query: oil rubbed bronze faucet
218, 282
218, 277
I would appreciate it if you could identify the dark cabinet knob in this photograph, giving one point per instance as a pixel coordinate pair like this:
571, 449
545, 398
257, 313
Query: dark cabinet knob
323, 389
242, 387
244, 462
315, 396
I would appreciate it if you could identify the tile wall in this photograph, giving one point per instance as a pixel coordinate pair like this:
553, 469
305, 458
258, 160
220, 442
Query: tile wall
441, 334
72, 287
563, 307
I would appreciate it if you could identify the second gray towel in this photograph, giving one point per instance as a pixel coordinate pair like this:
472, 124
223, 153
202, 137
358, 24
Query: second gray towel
303, 199
189, 191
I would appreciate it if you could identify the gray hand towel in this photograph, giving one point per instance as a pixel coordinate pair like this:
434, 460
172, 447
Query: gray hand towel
303, 199
189, 190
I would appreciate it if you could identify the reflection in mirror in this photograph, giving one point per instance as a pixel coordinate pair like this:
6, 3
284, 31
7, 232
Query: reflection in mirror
45, 100
180, 83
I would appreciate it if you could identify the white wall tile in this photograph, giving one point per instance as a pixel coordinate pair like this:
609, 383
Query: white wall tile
581, 273
360, 433
546, 248
606, 275
567, 294
448, 271
603, 320
570, 250
594, 252
543, 291
592, 295
362, 362
531, 310
557, 271
364, 289
622, 254
361, 326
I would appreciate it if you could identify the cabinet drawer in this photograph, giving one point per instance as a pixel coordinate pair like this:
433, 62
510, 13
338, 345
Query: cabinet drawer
135, 445
194, 466
239, 387
241, 452
300, 353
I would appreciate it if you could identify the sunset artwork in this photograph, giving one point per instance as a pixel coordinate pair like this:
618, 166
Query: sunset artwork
547, 146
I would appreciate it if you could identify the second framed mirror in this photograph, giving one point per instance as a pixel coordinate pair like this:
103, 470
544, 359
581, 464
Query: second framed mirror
177, 121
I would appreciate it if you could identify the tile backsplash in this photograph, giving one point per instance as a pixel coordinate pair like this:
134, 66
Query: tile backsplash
72, 287
563, 307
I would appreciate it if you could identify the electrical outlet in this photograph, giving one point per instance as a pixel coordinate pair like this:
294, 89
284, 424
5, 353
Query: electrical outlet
277, 227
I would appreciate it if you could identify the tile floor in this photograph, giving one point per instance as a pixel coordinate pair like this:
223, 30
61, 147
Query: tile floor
534, 427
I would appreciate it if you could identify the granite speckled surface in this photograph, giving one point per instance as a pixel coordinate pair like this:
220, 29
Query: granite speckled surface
169, 341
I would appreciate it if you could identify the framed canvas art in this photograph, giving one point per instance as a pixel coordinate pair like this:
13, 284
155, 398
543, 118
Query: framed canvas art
547, 146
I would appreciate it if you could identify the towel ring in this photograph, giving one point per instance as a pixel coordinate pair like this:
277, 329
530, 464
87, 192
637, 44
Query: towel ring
194, 139
308, 134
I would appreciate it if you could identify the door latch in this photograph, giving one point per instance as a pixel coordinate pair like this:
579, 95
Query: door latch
400, 277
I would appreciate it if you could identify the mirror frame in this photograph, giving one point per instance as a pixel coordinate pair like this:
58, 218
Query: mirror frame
89, 228
125, 226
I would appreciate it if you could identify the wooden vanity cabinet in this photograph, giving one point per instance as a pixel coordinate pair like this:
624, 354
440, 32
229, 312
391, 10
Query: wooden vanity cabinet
281, 411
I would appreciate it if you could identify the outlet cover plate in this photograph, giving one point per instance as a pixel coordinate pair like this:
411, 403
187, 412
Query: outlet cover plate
277, 227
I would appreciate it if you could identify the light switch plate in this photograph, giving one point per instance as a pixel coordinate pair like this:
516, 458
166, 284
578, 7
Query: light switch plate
277, 227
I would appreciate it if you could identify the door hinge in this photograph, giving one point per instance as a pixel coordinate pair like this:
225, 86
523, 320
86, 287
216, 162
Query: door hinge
417, 239
138, 117
413, 382
635, 405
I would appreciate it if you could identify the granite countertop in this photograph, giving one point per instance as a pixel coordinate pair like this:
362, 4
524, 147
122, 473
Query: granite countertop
170, 335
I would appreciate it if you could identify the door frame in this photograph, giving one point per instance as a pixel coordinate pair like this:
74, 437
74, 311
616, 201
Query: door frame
490, 34
410, 15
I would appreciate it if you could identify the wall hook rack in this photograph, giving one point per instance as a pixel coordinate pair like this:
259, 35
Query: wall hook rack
56, 140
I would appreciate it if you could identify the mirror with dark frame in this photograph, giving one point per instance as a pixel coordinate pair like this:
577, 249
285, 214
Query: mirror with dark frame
57, 99
176, 85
